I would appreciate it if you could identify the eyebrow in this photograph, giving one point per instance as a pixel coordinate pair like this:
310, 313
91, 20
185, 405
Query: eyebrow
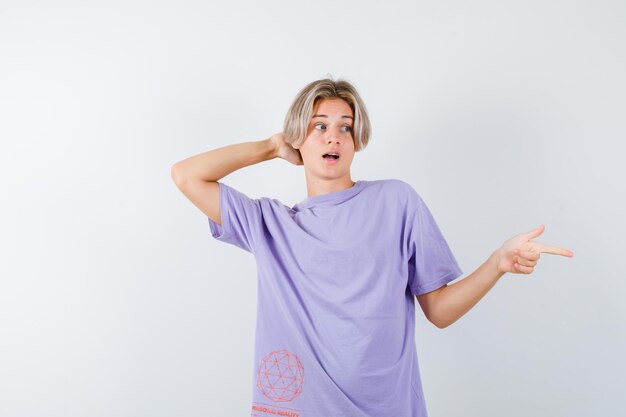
323, 115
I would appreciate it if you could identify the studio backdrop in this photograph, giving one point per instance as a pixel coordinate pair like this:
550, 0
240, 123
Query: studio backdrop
116, 301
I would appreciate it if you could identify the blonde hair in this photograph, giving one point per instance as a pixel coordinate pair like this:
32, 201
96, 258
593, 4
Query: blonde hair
300, 112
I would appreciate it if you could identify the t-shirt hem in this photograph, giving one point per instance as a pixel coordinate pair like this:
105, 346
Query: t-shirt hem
451, 276
221, 231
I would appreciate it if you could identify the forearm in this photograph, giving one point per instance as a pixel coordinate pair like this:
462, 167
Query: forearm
217, 163
457, 299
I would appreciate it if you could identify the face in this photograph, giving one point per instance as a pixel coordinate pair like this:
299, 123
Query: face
330, 130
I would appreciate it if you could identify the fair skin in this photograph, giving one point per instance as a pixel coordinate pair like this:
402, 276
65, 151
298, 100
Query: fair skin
197, 177
517, 255
330, 129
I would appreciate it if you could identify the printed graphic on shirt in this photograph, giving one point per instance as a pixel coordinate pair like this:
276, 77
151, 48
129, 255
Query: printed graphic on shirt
263, 410
280, 376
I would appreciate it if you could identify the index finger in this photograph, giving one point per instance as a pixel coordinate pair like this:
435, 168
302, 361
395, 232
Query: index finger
556, 250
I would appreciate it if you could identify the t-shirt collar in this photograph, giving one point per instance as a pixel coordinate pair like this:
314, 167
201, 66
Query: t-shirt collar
331, 198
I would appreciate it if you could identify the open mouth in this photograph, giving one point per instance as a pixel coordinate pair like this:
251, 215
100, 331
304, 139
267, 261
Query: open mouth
331, 155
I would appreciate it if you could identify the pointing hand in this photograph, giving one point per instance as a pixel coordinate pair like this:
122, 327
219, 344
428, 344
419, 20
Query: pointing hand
520, 254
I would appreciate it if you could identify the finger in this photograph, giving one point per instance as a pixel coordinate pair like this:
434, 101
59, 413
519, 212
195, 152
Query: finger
526, 262
555, 250
536, 232
523, 269
534, 256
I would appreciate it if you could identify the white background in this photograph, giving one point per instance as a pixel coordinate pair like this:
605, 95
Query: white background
116, 301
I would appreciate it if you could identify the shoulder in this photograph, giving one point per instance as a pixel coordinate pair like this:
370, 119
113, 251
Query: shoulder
273, 205
389, 184
242, 200
396, 193
398, 187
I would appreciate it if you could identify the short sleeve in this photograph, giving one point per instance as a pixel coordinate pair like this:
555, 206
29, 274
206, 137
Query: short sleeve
431, 262
241, 219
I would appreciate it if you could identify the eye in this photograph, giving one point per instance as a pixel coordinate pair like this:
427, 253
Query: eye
323, 127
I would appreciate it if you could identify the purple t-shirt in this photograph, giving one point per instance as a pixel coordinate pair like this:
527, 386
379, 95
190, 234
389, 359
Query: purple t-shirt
337, 279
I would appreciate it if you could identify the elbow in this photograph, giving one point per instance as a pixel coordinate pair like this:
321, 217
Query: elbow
435, 320
176, 174
440, 322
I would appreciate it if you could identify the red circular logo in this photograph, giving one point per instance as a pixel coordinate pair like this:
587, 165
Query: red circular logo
280, 376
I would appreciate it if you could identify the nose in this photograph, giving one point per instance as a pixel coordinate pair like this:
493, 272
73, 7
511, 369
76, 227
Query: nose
334, 134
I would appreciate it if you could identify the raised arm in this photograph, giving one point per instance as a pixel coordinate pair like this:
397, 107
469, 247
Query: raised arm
197, 176
214, 165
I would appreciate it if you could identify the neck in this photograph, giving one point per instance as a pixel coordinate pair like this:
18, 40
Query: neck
321, 186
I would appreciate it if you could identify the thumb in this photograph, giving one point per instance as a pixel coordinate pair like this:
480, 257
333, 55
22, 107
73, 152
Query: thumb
536, 232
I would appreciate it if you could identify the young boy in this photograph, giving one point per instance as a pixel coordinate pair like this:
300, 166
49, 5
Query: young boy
338, 271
